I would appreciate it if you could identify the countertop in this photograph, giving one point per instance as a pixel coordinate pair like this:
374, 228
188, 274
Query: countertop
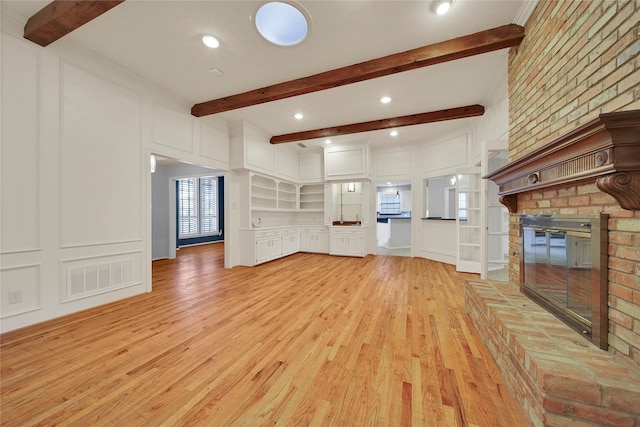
438, 218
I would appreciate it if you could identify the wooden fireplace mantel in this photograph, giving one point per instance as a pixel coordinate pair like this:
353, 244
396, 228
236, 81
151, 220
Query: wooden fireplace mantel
606, 150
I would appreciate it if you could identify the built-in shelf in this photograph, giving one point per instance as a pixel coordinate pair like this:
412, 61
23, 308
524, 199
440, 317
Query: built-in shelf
606, 150
287, 195
312, 197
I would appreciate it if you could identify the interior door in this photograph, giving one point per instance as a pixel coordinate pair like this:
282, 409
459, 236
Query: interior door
495, 266
469, 221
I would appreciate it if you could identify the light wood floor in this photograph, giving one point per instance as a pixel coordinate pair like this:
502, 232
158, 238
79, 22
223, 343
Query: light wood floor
308, 340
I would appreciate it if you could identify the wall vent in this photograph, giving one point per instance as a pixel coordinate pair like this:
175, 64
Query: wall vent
101, 276
300, 144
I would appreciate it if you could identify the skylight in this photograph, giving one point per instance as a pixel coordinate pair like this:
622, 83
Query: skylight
281, 23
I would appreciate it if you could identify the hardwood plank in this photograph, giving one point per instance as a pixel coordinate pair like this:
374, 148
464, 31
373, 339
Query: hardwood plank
60, 17
449, 50
391, 123
305, 340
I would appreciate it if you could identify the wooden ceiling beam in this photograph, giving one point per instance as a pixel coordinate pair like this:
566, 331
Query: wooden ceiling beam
394, 122
60, 17
461, 47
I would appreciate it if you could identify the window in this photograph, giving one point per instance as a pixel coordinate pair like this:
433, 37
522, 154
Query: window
197, 207
462, 206
389, 203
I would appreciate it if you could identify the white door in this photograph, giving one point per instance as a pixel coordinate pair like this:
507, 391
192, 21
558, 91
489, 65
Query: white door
354, 245
307, 242
495, 264
262, 250
322, 241
275, 247
469, 221
338, 244
287, 245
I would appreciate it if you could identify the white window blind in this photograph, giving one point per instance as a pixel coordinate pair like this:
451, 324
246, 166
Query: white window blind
188, 209
198, 207
209, 205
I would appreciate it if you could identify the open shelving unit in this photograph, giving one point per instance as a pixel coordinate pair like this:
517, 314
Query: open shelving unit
312, 198
287, 196
264, 193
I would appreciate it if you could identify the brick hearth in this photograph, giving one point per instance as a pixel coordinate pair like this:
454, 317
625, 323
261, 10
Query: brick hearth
560, 378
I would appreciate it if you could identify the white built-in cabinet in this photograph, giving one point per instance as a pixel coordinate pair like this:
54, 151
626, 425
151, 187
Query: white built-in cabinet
349, 206
268, 244
264, 192
312, 197
290, 242
276, 200
314, 239
347, 241
251, 150
268, 247
310, 167
287, 196
469, 221
271, 194
346, 162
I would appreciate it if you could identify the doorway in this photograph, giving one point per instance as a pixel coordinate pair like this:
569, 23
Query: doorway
163, 202
393, 218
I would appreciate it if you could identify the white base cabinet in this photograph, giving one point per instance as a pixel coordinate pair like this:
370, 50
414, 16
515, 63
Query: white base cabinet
347, 241
314, 240
261, 246
290, 242
268, 245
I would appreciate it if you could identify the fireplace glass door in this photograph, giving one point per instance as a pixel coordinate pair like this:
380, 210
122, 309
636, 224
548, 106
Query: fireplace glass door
563, 267
558, 267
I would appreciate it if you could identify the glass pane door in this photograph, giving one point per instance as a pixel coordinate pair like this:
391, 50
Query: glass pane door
496, 259
469, 221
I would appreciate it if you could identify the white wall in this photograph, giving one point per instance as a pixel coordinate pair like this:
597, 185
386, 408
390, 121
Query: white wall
77, 132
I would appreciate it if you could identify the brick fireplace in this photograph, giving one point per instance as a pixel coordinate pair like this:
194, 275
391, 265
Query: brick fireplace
560, 377
578, 60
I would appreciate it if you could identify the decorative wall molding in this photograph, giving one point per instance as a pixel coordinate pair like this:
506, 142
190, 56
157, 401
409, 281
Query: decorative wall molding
605, 150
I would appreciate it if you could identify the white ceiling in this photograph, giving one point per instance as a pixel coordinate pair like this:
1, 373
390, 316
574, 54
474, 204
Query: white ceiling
160, 41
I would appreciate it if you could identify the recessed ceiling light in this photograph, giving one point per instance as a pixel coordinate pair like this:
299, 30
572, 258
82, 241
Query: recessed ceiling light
298, 116
385, 100
210, 41
281, 23
327, 141
393, 133
442, 6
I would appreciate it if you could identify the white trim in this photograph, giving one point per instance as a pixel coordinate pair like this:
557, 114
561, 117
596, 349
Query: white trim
523, 15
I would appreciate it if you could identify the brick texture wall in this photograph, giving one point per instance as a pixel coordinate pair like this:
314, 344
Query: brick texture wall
580, 59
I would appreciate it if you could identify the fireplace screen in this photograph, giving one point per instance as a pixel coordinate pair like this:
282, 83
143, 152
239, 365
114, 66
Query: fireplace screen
563, 268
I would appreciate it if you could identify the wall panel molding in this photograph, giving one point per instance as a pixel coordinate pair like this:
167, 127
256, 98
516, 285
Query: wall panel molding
20, 289
20, 161
101, 184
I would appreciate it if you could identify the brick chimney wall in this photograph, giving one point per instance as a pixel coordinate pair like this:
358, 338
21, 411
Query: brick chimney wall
580, 59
